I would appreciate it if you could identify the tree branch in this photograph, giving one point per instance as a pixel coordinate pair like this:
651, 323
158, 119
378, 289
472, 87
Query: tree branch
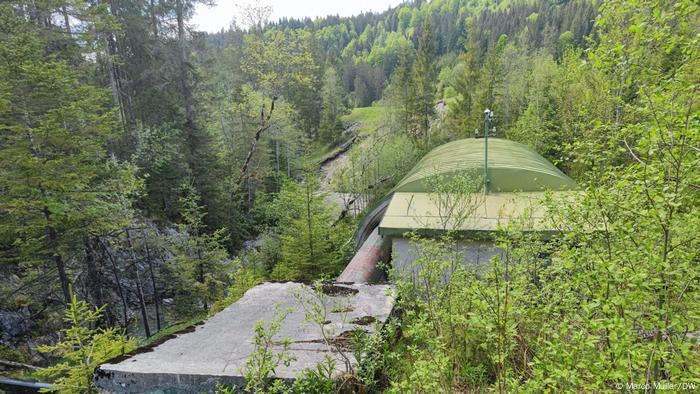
13, 364
350, 202
264, 125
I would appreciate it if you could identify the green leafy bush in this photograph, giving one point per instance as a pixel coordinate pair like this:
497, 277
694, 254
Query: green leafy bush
260, 368
243, 278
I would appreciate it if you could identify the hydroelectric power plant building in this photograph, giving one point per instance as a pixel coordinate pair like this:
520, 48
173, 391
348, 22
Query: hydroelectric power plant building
517, 181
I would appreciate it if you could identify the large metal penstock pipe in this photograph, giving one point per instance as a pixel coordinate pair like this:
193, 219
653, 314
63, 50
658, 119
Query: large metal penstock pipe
363, 266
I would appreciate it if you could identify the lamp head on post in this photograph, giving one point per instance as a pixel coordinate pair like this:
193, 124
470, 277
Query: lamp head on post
488, 115
486, 132
488, 118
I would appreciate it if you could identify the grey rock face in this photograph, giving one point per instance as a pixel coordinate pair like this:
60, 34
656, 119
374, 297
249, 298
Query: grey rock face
13, 324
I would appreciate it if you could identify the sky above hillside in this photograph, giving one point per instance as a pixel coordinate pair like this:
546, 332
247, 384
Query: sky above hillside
215, 18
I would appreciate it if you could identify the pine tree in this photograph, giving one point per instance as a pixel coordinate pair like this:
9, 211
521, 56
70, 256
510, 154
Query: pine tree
198, 267
424, 78
400, 93
465, 77
58, 182
311, 245
331, 107
82, 348
490, 81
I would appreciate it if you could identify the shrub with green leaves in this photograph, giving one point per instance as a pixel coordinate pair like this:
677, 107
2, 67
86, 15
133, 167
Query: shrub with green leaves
612, 298
260, 368
243, 278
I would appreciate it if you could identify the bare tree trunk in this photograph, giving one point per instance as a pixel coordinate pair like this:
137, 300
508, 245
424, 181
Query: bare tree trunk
139, 287
52, 237
200, 275
182, 64
250, 193
94, 283
229, 139
120, 291
121, 98
277, 158
116, 96
308, 218
15, 365
154, 20
156, 297
264, 125
289, 167
62, 276
66, 19
142, 302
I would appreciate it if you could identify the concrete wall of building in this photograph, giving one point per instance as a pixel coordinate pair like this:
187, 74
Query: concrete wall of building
477, 255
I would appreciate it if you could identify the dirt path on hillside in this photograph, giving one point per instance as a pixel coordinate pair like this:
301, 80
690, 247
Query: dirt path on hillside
330, 167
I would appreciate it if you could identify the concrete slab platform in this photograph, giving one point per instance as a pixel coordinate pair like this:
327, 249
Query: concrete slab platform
216, 351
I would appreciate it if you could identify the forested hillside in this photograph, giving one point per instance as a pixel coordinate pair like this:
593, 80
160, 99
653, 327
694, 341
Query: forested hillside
157, 172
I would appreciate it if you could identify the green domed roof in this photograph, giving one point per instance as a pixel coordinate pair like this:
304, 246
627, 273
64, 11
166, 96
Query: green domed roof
512, 167
517, 177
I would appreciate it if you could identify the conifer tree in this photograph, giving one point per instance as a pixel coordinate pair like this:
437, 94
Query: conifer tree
58, 182
83, 348
424, 77
198, 266
400, 93
489, 84
331, 106
465, 76
311, 245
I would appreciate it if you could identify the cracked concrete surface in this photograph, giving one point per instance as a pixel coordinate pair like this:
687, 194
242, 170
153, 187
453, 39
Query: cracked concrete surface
217, 351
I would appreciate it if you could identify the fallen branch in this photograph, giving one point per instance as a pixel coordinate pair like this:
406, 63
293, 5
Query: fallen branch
349, 203
13, 364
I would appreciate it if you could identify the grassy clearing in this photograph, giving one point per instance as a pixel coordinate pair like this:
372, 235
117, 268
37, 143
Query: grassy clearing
370, 118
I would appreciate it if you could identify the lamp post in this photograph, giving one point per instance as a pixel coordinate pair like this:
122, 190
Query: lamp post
488, 118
